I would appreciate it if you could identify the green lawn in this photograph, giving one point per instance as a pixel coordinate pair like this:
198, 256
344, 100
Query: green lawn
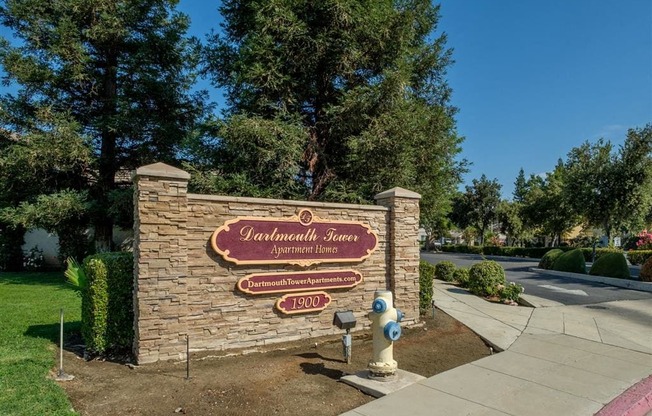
29, 339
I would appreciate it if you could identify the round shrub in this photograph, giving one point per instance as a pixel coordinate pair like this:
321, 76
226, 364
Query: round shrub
548, 259
571, 261
485, 277
611, 265
444, 270
646, 271
461, 276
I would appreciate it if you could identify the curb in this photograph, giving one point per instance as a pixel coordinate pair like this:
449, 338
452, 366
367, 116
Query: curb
635, 401
626, 284
537, 302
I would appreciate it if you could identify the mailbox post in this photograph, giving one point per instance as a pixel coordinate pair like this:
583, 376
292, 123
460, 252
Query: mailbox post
345, 320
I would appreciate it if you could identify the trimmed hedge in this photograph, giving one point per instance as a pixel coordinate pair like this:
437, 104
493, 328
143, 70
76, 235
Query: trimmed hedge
599, 252
571, 261
531, 252
646, 271
426, 276
638, 257
107, 303
485, 278
95, 301
444, 270
461, 248
548, 259
611, 265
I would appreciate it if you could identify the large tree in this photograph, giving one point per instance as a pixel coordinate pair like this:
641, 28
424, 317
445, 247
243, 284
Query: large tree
511, 222
546, 206
612, 189
120, 70
352, 95
478, 205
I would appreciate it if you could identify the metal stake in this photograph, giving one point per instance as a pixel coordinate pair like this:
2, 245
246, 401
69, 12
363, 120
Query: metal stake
346, 344
61, 375
187, 357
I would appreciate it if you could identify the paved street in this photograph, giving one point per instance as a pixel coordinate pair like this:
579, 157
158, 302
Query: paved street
565, 290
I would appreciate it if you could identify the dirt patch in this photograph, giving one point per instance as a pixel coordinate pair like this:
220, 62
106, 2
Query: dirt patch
300, 379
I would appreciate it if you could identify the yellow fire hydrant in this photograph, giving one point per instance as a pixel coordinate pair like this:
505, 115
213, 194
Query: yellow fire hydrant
386, 329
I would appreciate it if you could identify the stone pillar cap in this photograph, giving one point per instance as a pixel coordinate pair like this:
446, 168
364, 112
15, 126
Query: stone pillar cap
161, 170
398, 193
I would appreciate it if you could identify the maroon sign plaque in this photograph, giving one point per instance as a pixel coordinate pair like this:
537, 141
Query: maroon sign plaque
303, 302
302, 239
263, 283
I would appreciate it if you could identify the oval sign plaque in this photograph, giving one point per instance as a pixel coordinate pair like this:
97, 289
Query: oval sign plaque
302, 239
303, 302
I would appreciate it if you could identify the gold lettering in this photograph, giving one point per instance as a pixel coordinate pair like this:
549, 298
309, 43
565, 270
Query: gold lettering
319, 249
246, 233
331, 235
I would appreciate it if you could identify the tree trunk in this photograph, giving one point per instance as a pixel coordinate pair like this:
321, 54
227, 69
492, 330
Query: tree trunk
102, 222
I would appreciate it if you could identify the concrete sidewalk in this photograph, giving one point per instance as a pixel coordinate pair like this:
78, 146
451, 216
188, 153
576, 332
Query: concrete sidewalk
557, 360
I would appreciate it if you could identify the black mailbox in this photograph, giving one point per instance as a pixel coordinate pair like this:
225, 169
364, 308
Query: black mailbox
344, 320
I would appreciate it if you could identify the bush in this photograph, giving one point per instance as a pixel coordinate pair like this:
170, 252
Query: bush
637, 257
33, 259
571, 261
646, 271
510, 292
426, 276
611, 265
444, 270
461, 276
485, 277
548, 259
107, 303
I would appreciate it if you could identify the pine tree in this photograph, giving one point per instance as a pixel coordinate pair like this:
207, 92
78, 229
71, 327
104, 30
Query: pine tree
520, 187
121, 70
355, 92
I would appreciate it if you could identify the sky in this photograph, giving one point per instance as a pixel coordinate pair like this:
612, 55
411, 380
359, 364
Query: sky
532, 79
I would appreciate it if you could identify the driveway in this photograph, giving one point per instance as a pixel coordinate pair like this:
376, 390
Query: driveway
565, 290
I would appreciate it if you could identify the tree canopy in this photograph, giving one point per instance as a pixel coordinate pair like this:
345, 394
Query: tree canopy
612, 189
478, 206
119, 71
343, 99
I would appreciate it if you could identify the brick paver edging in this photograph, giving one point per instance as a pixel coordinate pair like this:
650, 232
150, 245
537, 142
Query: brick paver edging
635, 401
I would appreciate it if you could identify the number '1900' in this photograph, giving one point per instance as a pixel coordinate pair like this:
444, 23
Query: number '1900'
303, 302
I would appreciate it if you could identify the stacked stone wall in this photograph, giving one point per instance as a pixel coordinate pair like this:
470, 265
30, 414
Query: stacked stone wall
184, 288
